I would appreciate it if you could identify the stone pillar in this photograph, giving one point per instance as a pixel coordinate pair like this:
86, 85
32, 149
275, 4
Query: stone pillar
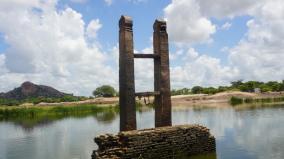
126, 75
162, 102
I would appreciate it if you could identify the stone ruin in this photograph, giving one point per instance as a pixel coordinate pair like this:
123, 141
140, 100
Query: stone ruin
159, 143
162, 91
164, 141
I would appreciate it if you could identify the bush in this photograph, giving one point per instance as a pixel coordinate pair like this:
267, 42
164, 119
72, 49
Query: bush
105, 91
236, 100
196, 90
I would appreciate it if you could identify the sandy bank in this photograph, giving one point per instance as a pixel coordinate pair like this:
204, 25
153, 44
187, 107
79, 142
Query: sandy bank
216, 100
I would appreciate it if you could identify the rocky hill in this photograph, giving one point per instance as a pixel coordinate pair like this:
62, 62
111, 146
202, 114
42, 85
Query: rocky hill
30, 90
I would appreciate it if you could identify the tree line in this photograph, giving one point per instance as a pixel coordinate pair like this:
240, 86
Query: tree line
109, 91
239, 85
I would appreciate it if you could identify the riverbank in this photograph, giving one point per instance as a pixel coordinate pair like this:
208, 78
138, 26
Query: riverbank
192, 100
9, 112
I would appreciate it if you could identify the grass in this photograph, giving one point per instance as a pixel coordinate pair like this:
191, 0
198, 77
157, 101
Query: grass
35, 111
28, 117
236, 100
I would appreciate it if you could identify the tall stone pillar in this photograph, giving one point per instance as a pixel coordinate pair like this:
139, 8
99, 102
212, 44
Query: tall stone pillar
162, 102
126, 75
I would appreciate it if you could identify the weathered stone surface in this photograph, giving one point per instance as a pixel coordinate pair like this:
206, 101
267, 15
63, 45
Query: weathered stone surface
126, 75
162, 102
162, 142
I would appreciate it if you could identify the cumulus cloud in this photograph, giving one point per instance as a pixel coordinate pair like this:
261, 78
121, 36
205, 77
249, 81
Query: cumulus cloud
93, 28
57, 48
256, 57
201, 70
49, 46
259, 54
144, 72
186, 25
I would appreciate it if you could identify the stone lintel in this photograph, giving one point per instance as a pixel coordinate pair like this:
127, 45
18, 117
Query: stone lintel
138, 55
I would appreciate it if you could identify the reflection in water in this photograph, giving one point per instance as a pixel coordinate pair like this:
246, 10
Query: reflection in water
29, 122
251, 133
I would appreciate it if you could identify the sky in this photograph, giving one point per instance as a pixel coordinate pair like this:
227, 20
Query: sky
72, 45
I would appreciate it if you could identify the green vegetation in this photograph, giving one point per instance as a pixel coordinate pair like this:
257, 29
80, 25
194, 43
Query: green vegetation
183, 91
8, 112
34, 115
66, 98
105, 91
237, 100
249, 86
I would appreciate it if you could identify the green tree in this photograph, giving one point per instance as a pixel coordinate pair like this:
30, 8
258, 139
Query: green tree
237, 84
209, 90
196, 90
104, 91
274, 85
264, 88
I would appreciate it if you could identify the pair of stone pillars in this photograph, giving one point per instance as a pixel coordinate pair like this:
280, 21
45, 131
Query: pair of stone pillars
162, 101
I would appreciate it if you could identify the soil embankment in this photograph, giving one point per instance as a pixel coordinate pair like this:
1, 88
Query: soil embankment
216, 100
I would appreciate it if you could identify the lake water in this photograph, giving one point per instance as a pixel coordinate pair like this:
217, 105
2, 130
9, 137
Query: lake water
241, 132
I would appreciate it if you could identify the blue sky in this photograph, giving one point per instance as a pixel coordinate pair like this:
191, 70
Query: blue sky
72, 44
143, 14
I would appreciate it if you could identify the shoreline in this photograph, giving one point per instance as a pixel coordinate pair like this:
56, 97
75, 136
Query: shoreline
192, 100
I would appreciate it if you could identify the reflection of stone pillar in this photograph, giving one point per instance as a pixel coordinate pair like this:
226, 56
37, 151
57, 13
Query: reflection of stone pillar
163, 104
126, 75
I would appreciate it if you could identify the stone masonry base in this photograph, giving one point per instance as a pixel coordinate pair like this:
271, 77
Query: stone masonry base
161, 143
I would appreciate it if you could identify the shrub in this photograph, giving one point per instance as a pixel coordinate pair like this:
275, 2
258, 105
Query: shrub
104, 91
236, 100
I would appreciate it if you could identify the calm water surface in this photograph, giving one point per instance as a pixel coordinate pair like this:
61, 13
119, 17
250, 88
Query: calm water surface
246, 133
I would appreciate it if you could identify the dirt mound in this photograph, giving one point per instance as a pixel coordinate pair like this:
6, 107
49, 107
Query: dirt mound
229, 94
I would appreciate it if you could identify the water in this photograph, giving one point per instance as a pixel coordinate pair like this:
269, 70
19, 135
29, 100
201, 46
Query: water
246, 133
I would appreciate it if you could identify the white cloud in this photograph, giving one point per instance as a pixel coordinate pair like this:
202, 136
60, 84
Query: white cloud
144, 72
53, 47
226, 26
201, 70
225, 8
93, 28
48, 46
186, 25
79, 1
256, 57
259, 55
108, 2
2, 64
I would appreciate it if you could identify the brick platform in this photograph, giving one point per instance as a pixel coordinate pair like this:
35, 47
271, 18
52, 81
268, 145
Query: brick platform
162, 143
